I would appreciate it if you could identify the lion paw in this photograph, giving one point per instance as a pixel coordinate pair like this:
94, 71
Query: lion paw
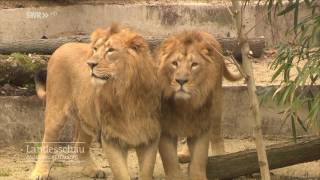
184, 158
93, 172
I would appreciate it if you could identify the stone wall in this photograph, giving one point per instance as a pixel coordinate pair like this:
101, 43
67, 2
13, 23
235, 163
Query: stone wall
21, 118
149, 19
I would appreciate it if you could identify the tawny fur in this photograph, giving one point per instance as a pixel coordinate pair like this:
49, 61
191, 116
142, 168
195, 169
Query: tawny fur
125, 107
196, 57
192, 117
132, 97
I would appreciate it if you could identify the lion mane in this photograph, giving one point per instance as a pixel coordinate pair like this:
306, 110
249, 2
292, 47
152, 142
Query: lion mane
109, 85
193, 116
190, 74
133, 97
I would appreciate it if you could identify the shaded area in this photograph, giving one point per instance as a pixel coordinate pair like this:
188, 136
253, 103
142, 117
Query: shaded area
246, 162
19, 69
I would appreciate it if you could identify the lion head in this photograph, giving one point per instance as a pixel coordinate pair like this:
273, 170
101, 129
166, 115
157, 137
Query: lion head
124, 77
98, 38
124, 61
190, 67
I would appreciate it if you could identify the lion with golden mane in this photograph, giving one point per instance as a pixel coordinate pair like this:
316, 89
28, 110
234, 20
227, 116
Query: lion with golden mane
190, 73
110, 85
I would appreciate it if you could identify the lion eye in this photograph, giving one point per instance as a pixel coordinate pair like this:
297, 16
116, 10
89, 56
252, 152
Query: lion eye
95, 49
174, 63
109, 50
194, 65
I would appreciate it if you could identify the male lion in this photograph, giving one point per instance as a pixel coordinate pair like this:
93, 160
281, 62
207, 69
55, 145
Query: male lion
114, 90
190, 73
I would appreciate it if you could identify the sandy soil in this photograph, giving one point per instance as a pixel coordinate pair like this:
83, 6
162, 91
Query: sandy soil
14, 167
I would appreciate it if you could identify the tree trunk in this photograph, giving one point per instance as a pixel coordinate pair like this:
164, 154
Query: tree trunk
253, 99
48, 46
246, 162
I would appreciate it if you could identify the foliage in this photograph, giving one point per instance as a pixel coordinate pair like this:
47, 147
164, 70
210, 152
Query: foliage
301, 53
24, 60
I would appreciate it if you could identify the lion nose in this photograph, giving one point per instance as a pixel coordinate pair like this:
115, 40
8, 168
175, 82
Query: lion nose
92, 64
182, 81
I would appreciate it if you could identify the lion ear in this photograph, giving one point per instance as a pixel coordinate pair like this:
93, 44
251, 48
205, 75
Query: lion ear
168, 46
100, 32
104, 33
213, 49
114, 28
137, 44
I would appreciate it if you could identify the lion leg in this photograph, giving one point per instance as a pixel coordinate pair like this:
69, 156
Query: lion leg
169, 157
217, 144
184, 153
90, 168
53, 124
216, 138
147, 159
117, 157
198, 147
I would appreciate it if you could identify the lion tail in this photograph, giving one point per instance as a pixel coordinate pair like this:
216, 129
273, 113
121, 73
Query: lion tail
40, 80
229, 76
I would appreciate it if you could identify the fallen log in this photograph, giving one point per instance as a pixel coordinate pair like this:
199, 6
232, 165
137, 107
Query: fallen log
40, 46
48, 46
246, 162
19, 69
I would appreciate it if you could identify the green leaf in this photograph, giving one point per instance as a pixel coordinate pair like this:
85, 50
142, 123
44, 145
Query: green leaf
265, 94
315, 108
277, 92
287, 92
270, 4
284, 118
280, 70
296, 16
289, 8
293, 126
307, 3
301, 54
301, 123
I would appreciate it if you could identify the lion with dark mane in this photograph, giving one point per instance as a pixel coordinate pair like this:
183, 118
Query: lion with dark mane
190, 73
109, 84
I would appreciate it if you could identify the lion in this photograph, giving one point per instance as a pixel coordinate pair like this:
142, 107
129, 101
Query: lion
114, 90
190, 71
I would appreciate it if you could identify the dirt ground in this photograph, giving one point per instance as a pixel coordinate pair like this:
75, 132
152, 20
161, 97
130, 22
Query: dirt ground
14, 167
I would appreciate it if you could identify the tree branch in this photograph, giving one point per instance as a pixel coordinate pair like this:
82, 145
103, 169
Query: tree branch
254, 103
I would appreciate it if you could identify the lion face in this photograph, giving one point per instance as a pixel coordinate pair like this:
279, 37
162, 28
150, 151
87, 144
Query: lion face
185, 71
189, 69
121, 58
98, 38
113, 59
